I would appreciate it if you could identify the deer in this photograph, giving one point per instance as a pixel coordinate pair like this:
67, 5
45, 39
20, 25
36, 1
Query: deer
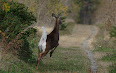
52, 40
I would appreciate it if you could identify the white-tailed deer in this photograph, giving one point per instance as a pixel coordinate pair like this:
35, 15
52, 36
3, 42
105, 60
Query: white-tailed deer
51, 41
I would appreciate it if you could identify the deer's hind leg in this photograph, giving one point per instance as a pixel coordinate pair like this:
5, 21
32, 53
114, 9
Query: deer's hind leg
51, 52
40, 55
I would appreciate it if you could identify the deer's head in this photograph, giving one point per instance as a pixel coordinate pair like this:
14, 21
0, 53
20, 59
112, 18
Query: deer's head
57, 18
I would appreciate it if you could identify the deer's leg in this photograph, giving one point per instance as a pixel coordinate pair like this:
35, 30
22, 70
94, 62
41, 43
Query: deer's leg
38, 59
40, 55
44, 53
53, 50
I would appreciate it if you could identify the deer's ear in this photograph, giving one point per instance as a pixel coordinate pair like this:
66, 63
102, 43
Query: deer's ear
53, 15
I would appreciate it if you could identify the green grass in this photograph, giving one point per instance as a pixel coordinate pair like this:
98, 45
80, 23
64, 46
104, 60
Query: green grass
2, 71
108, 58
111, 58
11, 64
106, 47
19, 68
113, 70
103, 49
64, 60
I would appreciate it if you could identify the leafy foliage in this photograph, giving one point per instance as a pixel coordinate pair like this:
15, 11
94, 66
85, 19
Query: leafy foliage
13, 22
26, 53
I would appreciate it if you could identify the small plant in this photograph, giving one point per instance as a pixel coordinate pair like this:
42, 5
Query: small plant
113, 32
113, 70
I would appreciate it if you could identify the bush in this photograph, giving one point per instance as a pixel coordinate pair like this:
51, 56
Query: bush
25, 53
14, 19
30, 32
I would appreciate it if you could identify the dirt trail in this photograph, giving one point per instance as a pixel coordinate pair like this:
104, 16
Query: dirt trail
86, 47
82, 36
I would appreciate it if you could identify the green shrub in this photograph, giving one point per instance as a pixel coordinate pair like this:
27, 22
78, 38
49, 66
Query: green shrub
21, 11
30, 32
25, 53
15, 20
63, 25
12, 23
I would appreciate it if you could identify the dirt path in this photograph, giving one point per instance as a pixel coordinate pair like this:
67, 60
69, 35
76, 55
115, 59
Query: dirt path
86, 46
82, 36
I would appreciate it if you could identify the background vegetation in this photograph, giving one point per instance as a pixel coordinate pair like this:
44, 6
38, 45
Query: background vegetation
19, 39
106, 37
85, 10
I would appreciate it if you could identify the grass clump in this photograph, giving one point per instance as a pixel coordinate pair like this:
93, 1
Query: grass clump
109, 58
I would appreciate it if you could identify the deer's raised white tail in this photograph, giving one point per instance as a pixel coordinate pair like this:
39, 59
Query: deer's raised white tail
42, 42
